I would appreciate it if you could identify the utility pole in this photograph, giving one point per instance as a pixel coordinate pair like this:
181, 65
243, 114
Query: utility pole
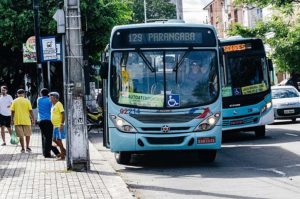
77, 142
145, 11
39, 69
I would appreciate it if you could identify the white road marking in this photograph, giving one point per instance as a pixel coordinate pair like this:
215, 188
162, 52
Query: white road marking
274, 171
292, 134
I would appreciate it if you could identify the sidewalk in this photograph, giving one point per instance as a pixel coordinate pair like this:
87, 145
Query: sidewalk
30, 175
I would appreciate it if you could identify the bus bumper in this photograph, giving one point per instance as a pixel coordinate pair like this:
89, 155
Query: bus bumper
120, 141
267, 118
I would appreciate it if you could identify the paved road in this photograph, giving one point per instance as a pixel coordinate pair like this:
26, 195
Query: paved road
246, 167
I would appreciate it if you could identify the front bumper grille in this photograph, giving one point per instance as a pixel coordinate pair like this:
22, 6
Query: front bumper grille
168, 140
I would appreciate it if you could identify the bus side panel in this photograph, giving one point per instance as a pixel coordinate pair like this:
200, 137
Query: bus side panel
247, 116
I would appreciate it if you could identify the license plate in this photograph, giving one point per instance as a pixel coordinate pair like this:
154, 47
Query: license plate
206, 140
236, 122
290, 111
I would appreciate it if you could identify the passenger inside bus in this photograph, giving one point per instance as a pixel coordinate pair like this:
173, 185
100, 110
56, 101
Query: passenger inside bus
196, 83
135, 72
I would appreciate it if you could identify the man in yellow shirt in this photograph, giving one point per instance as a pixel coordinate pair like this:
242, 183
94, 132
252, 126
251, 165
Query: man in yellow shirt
58, 119
22, 118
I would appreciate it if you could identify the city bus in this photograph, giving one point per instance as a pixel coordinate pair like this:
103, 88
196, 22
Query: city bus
153, 101
246, 91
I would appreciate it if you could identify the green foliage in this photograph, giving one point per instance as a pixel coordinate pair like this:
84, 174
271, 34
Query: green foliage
99, 17
156, 9
17, 25
285, 41
264, 3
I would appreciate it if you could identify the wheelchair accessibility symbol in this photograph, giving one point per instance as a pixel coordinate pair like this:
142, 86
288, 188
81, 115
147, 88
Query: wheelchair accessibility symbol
237, 91
173, 100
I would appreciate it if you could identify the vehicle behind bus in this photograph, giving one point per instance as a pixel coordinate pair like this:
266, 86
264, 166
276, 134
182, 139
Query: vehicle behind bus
152, 103
247, 100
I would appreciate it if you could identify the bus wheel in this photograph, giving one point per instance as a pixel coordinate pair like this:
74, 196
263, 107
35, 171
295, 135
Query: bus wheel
294, 120
123, 157
260, 131
207, 156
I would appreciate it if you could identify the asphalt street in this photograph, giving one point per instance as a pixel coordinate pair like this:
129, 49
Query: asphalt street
245, 167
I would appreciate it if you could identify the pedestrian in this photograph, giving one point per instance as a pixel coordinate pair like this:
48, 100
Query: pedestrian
5, 113
58, 119
22, 118
44, 120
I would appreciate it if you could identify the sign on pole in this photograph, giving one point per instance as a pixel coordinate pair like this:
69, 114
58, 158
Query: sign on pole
48, 46
29, 50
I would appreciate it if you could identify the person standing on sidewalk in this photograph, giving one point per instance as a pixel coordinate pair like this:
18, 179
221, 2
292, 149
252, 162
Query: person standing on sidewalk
21, 116
58, 119
5, 113
44, 120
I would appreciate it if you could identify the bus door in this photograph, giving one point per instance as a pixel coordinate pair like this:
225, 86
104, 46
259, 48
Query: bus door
104, 75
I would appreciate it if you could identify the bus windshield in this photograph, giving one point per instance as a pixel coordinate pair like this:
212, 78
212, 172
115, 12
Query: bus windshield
164, 79
245, 75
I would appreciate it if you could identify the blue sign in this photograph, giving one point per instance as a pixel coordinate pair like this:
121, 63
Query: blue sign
50, 49
237, 91
173, 100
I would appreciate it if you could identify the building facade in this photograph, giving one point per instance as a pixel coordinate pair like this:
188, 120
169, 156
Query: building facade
223, 13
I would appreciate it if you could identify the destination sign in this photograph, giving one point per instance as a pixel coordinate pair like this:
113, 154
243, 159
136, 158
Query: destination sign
236, 47
158, 38
164, 37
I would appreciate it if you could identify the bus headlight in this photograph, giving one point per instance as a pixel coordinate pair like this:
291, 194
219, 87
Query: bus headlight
266, 107
208, 123
122, 124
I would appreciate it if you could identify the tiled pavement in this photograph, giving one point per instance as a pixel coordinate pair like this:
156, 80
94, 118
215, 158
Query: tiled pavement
30, 175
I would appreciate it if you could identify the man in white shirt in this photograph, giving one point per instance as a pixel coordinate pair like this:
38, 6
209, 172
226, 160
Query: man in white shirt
5, 113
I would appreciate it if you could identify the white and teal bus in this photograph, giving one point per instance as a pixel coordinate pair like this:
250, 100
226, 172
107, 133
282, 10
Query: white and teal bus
162, 91
246, 91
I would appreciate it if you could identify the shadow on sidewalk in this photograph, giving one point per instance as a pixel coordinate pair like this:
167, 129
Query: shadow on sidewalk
11, 172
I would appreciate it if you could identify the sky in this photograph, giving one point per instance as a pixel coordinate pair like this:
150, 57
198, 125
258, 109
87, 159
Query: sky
193, 10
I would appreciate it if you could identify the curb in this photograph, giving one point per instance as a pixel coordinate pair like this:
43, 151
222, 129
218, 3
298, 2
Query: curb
115, 185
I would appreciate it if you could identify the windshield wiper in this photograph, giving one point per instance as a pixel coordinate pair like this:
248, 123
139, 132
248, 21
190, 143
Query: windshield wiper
175, 69
148, 64
178, 64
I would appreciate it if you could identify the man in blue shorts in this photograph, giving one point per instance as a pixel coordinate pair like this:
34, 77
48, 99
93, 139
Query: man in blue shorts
58, 119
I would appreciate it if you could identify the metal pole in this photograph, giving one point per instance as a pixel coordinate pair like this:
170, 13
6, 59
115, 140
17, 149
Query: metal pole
65, 94
177, 11
77, 142
145, 11
49, 75
36, 6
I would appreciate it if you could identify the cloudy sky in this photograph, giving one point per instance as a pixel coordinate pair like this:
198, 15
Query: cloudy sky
193, 10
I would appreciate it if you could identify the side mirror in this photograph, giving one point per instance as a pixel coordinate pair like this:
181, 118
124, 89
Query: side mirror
270, 63
104, 70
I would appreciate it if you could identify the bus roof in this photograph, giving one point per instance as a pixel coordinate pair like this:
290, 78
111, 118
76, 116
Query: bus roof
239, 40
160, 35
162, 24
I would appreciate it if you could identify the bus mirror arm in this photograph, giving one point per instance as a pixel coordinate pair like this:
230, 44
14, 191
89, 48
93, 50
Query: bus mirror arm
104, 70
270, 64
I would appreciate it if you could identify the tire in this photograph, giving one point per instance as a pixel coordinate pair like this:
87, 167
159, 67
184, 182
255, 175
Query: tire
260, 131
294, 120
207, 156
123, 157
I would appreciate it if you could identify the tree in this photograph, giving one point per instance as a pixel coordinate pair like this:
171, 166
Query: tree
16, 25
156, 9
264, 3
285, 31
